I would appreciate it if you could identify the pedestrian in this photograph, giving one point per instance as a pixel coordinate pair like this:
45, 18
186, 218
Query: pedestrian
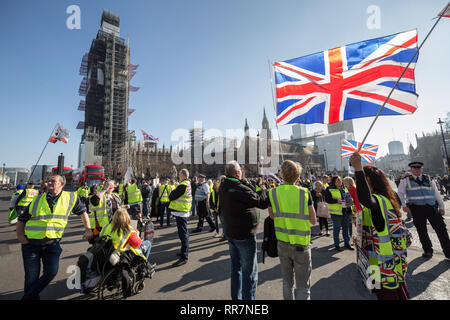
292, 210
40, 228
215, 208
19, 200
146, 192
180, 207
317, 196
384, 237
238, 203
420, 197
334, 196
164, 191
355, 206
194, 184
202, 195
133, 198
83, 194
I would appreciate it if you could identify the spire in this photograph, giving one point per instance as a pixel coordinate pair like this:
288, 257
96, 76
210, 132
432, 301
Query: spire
265, 122
246, 127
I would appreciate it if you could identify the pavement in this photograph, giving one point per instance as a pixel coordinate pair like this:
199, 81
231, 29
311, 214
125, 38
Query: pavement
206, 275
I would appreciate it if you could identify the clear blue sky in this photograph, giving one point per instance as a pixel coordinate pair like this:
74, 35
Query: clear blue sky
199, 60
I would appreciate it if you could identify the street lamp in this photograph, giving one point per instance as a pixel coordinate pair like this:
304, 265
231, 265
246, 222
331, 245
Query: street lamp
326, 164
440, 122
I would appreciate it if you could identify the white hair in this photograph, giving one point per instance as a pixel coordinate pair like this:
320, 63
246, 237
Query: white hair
231, 168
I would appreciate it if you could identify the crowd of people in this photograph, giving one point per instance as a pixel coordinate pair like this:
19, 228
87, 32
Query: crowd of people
232, 204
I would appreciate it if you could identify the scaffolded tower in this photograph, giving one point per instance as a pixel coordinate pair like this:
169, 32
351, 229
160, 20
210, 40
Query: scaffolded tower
106, 72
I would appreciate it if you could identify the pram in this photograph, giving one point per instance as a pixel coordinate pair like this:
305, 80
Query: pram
112, 282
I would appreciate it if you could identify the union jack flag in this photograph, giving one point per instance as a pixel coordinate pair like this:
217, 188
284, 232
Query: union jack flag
367, 152
348, 82
148, 137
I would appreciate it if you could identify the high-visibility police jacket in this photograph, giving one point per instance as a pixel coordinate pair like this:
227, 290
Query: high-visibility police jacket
335, 208
420, 194
291, 214
386, 249
134, 194
101, 211
200, 193
47, 224
83, 192
183, 203
164, 191
119, 239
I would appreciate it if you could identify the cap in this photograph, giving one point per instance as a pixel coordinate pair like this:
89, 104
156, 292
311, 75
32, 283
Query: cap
415, 164
19, 187
202, 176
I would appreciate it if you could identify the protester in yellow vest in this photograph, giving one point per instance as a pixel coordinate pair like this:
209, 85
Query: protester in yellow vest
133, 198
20, 200
214, 203
164, 191
384, 235
293, 214
180, 207
40, 228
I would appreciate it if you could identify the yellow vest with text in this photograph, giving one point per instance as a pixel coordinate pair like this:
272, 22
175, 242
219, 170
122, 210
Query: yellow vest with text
83, 192
134, 194
101, 211
119, 239
291, 214
47, 224
183, 203
335, 208
30, 194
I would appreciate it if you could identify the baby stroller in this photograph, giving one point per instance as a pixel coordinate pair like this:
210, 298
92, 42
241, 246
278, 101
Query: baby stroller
112, 282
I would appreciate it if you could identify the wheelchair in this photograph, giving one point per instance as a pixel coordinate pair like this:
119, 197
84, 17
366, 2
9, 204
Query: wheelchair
126, 278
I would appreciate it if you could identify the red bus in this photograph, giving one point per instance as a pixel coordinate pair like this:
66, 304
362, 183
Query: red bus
67, 173
92, 174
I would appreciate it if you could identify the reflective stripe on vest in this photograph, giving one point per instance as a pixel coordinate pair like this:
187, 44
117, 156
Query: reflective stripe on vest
45, 224
164, 192
30, 194
420, 194
134, 195
335, 208
291, 225
183, 203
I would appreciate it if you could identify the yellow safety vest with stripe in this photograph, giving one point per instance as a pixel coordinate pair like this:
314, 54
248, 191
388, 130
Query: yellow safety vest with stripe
335, 208
213, 195
183, 203
30, 194
386, 249
164, 191
291, 214
119, 239
14, 197
121, 191
47, 224
101, 211
134, 194
83, 192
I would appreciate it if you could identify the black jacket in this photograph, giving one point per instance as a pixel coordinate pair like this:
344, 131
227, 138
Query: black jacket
238, 203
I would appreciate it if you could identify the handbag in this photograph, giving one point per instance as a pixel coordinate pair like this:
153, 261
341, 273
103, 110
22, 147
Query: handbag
322, 210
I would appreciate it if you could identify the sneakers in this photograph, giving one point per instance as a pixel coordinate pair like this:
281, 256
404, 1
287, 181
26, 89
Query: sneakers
337, 248
349, 247
179, 263
327, 234
320, 233
427, 255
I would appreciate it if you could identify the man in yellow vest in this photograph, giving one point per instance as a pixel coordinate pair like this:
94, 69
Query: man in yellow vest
22, 200
164, 191
40, 228
293, 213
133, 198
180, 207
83, 194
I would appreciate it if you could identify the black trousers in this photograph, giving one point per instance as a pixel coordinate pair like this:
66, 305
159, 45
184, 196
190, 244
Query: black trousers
420, 216
203, 213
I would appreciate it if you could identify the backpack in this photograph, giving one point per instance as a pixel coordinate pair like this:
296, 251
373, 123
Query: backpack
270, 241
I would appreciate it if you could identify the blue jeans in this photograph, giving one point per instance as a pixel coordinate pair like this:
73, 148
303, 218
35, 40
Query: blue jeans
146, 247
145, 202
338, 223
32, 256
244, 269
183, 234
193, 206
164, 208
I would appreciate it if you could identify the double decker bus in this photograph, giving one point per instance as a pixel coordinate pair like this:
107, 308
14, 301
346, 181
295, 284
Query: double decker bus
92, 174
67, 173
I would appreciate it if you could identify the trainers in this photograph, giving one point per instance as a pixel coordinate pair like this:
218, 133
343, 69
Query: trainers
320, 233
327, 234
427, 255
179, 263
197, 230
349, 247
337, 248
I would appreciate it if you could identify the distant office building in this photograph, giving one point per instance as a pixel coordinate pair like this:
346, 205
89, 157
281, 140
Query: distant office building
17, 175
106, 71
298, 131
396, 147
346, 125
329, 145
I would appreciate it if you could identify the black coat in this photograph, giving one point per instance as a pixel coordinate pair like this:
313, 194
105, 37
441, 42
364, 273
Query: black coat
238, 203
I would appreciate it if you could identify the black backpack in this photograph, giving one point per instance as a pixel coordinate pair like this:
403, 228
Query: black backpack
270, 241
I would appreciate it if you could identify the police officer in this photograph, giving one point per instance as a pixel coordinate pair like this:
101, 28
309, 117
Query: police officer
40, 228
202, 200
420, 197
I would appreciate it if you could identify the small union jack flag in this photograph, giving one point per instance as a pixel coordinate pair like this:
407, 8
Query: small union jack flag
148, 137
367, 152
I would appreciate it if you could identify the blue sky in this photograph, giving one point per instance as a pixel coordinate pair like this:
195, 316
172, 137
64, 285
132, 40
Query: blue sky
199, 60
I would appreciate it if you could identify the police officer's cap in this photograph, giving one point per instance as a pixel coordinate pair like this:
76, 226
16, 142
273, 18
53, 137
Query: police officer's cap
202, 176
415, 164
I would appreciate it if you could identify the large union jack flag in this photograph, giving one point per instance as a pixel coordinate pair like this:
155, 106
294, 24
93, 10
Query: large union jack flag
348, 82
367, 152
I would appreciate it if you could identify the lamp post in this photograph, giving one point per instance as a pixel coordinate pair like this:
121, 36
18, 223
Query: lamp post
3, 172
440, 122
326, 164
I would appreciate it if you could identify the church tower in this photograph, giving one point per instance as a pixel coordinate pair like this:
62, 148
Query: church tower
265, 125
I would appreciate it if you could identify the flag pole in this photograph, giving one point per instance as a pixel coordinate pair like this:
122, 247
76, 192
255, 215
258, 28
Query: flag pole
34, 168
275, 108
395, 85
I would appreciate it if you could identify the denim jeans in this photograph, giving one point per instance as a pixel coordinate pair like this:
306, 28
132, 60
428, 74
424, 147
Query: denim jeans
338, 223
183, 234
164, 208
32, 256
145, 203
146, 247
244, 268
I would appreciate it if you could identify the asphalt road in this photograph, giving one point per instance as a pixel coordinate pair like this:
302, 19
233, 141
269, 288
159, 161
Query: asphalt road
206, 275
